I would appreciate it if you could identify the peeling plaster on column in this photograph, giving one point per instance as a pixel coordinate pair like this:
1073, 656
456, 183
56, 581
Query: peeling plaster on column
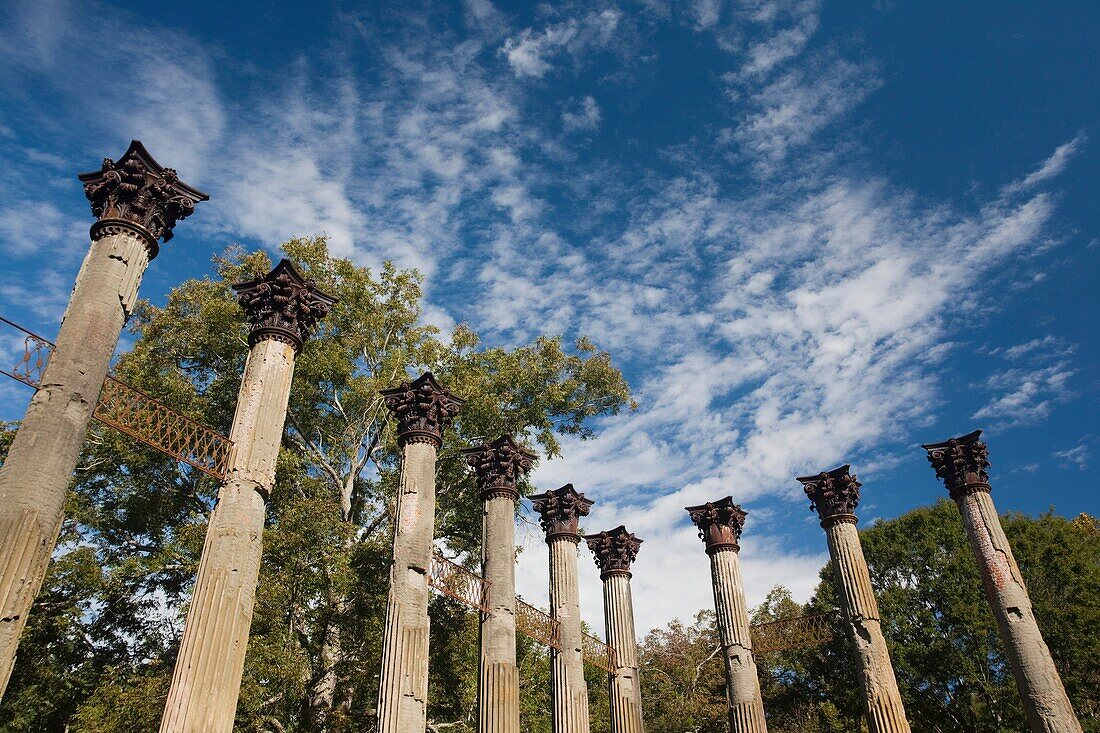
36, 474
963, 465
282, 308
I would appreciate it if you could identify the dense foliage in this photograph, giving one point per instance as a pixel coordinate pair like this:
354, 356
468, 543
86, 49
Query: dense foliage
943, 640
101, 641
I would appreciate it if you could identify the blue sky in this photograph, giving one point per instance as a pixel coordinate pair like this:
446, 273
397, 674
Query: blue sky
810, 232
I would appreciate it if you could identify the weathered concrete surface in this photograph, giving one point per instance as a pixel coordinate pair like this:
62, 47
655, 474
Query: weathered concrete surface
745, 706
625, 685
1044, 697
498, 680
403, 687
881, 699
569, 691
40, 464
207, 678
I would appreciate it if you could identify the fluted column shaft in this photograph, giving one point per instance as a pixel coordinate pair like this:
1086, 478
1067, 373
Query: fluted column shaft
881, 698
403, 688
625, 686
1044, 697
745, 706
44, 453
567, 684
207, 678
498, 681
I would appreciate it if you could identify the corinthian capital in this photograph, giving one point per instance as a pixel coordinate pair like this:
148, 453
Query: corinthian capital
282, 305
833, 494
615, 550
499, 465
138, 191
422, 407
719, 523
962, 463
560, 511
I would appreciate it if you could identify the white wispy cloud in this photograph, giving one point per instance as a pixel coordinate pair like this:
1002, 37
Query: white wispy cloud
1078, 456
1053, 165
531, 52
1028, 392
586, 116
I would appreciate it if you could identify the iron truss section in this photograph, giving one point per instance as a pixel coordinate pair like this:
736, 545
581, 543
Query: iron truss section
135, 413
800, 632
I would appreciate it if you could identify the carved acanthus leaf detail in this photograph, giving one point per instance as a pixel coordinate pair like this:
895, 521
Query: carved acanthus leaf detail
499, 466
962, 463
138, 190
423, 408
719, 523
560, 511
282, 305
614, 549
832, 493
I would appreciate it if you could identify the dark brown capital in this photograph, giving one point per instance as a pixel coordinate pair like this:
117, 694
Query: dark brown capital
423, 408
962, 463
615, 550
720, 524
560, 512
138, 191
833, 494
499, 465
282, 305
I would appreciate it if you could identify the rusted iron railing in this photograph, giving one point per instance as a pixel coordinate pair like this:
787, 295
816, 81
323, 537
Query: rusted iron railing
451, 579
793, 633
537, 624
597, 654
135, 413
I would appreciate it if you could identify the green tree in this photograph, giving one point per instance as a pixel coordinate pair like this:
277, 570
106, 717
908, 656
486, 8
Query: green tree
136, 519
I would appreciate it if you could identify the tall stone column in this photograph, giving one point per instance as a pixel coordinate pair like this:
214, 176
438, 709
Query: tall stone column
963, 464
615, 550
282, 308
422, 409
835, 495
136, 202
559, 513
720, 524
499, 465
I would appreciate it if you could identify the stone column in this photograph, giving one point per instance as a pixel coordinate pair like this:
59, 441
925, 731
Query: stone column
720, 524
499, 465
136, 202
559, 513
963, 465
422, 409
615, 550
282, 308
835, 495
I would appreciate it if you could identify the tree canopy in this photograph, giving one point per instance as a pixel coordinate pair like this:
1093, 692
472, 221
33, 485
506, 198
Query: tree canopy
943, 639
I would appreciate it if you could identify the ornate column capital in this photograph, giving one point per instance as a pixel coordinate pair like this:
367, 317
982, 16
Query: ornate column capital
560, 512
719, 523
833, 494
962, 463
282, 305
423, 408
139, 194
615, 550
499, 465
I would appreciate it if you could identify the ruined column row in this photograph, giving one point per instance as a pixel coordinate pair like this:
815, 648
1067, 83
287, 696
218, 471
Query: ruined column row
963, 465
137, 203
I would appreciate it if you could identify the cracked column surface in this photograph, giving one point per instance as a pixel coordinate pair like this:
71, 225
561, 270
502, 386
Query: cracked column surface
963, 464
136, 202
720, 524
835, 495
499, 465
282, 308
559, 513
422, 409
615, 550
